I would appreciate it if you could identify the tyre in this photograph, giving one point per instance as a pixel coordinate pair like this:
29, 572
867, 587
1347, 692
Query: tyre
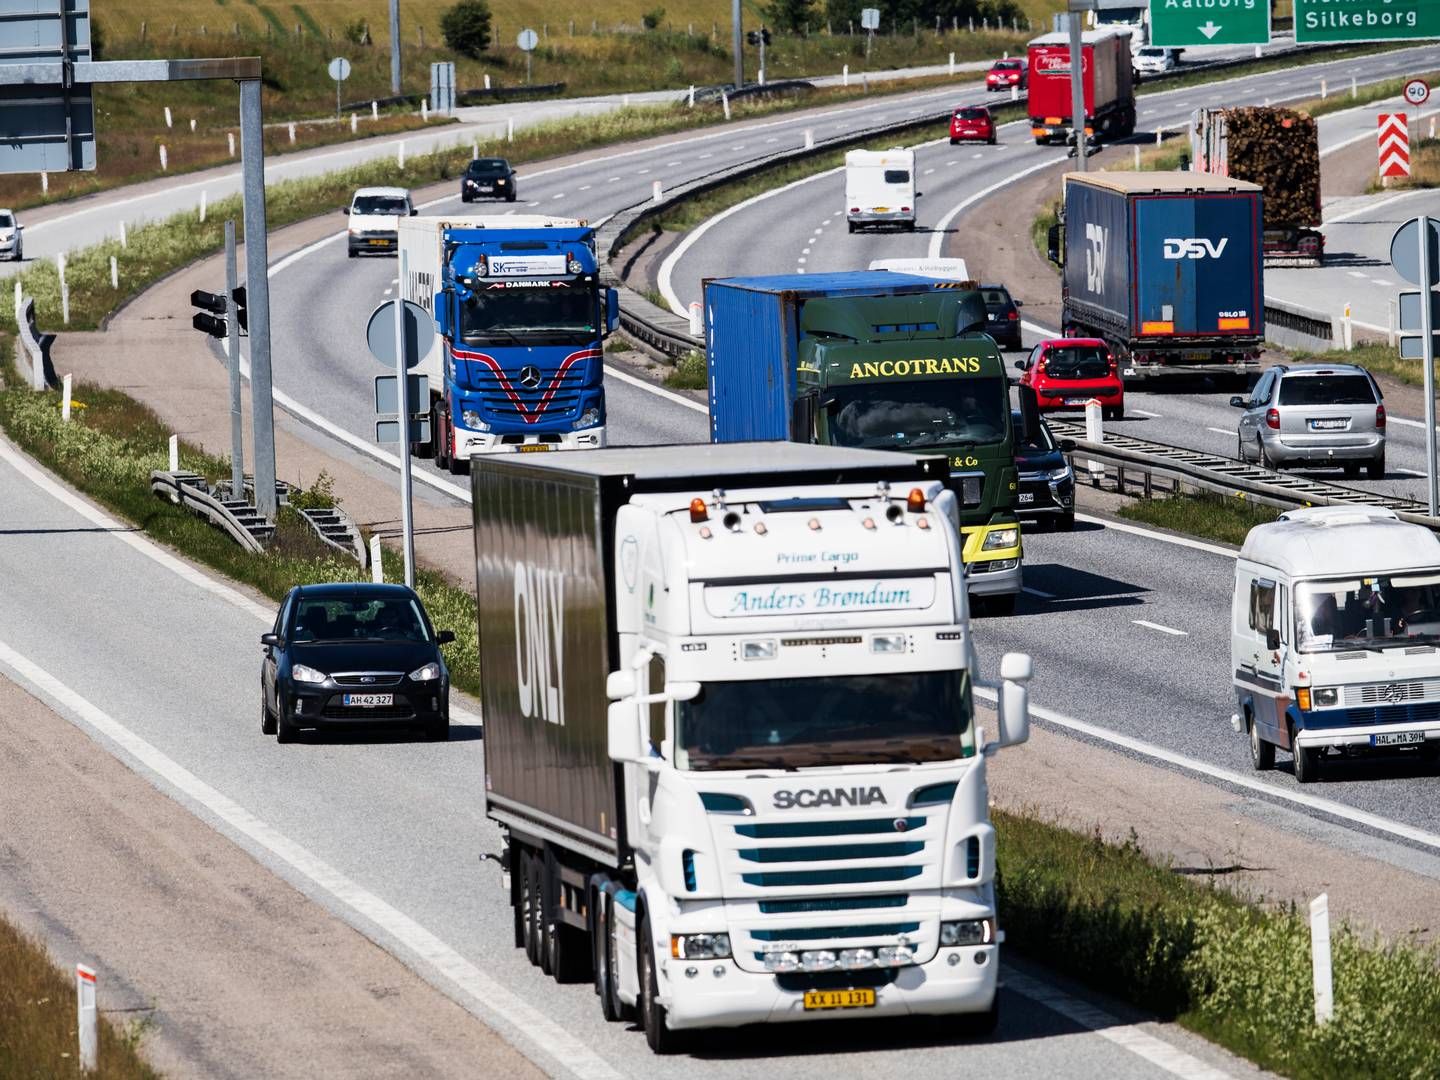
909, 226
285, 729
530, 906
1375, 470
458, 466
608, 968
1240, 448
1065, 523
566, 949
652, 1014
851, 226
517, 891
1262, 753
1262, 457
1307, 764
510, 197
992, 140
464, 197
1352, 470
267, 721
439, 437
353, 253
19, 253
954, 142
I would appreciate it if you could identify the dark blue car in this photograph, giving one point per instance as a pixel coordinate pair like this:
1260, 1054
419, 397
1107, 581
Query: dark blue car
353, 654
1047, 482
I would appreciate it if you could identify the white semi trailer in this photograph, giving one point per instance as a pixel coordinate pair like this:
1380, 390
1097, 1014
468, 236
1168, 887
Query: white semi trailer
730, 738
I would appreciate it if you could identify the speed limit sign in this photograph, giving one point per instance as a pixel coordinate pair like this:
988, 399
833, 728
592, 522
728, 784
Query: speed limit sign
1417, 91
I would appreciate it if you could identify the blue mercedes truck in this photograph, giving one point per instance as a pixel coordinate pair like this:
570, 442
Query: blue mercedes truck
1166, 267
520, 319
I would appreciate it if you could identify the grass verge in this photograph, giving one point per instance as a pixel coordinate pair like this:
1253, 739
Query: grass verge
37, 1019
1227, 520
108, 451
1424, 169
1375, 358
1232, 971
688, 373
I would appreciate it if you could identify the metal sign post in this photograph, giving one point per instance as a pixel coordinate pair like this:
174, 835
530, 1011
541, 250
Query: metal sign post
737, 43
1415, 256
339, 71
395, 48
526, 40
403, 385
1077, 81
232, 331
869, 22
257, 296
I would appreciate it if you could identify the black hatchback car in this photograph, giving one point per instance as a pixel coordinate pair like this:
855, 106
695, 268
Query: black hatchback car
488, 178
1002, 316
1047, 482
353, 654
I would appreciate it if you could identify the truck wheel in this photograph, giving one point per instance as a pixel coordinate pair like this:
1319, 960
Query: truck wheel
530, 906
564, 945
1307, 765
458, 466
1262, 753
439, 437
652, 1014
998, 605
517, 894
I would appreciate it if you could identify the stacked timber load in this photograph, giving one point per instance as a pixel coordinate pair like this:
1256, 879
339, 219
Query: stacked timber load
1279, 149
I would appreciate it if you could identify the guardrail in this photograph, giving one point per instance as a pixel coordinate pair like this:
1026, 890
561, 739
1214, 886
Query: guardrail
30, 339
192, 491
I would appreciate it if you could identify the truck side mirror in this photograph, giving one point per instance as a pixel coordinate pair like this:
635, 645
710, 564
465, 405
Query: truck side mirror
623, 731
1272, 639
1016, 670
1053, 244
620, 684
612, 310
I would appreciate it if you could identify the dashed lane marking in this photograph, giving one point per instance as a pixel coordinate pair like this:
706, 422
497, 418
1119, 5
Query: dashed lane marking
1221, 430
1162, 629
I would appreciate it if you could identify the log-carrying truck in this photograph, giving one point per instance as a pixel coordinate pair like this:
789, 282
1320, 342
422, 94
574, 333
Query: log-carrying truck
879, 360
731, 738
520, 317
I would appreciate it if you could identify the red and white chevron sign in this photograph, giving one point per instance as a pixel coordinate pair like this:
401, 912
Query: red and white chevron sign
1394, 145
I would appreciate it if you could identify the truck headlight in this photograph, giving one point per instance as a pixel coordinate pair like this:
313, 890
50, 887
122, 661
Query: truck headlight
967, 932
997, 539
471, 419
589, 418
303, 673
700, 946
1326, 696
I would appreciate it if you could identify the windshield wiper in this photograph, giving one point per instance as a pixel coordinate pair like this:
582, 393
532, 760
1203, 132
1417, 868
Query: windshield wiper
477, 337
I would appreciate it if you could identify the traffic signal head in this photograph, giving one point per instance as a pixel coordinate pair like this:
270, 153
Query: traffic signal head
765, 36
241, 316
208, 301
752, 37
213, 325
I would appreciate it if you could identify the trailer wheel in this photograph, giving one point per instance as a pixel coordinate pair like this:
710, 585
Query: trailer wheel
652, 1014
530, 903
565, 946
517, 894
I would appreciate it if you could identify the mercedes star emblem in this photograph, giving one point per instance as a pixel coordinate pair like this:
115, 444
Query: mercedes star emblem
530, 376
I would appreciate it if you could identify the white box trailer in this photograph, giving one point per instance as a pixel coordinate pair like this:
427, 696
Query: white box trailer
880, 188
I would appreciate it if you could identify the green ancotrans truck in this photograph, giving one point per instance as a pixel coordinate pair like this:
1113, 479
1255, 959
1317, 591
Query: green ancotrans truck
880, 360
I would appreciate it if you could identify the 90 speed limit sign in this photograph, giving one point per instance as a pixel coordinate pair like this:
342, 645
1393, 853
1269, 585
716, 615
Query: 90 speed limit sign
1417, 92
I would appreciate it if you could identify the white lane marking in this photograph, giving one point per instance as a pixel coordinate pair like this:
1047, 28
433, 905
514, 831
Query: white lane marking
801, 260
1131, 1037
976, 155
1357, 273
558, 195
804, 251
1151, 112
389, 289
642, 172
672, 164
658, 391
586, 187
818, 231
476, 992
772, 140
532, 203
1409, 472
1151, 534
704, 156
1228, 776
1037, 592
1163, 629
1221, 430
937, 238
1146, 412
927, 172
1403, 421
612, 180
738, 146
130, 535
1388, 284
826, 222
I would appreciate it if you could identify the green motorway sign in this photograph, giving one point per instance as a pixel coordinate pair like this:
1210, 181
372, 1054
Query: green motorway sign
1318, 21
1180, 24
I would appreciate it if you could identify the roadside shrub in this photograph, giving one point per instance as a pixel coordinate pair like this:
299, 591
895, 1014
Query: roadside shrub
652, 19
357, 32
466, 28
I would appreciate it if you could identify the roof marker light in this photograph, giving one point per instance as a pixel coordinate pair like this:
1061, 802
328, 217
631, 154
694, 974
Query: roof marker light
760, 529
915, 501
869, 523
814, 524
697, 510
923, 523
705, 533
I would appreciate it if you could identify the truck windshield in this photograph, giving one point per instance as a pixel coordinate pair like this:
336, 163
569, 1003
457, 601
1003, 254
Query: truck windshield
547, 316
895, 718
1368, 612
916, 412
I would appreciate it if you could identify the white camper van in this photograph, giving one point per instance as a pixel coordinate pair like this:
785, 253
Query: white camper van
1335, 637
880, 188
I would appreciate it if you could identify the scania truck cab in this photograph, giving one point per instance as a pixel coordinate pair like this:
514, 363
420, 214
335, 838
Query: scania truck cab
782, 814
1335, 637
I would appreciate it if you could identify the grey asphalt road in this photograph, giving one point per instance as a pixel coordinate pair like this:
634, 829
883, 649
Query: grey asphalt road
385, 830
804, 228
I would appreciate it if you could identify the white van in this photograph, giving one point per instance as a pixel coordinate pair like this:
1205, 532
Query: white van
944, 269
1335, 637
880, 188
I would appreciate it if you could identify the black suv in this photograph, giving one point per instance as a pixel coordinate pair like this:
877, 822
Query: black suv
1047, 482
488, 178
1003, 322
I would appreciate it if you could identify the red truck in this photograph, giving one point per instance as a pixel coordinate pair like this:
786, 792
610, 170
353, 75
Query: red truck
1109, 85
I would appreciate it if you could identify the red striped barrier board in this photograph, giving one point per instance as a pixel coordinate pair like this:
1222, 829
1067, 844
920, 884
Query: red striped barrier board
1394, 145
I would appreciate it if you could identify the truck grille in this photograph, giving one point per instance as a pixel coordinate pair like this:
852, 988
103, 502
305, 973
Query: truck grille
1418, 713
1393, 693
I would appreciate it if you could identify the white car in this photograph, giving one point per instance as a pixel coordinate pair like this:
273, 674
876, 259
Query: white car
1153, 60
374, 213
11, 239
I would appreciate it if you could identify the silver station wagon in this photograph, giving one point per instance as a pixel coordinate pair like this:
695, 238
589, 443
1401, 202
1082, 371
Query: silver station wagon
1316, 416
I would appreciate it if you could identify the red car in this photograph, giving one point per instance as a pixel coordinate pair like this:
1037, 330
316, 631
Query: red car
1065, 373
1004, 74
972, 122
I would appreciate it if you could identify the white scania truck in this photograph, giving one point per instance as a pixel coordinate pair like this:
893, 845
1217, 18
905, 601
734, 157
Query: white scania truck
730, 737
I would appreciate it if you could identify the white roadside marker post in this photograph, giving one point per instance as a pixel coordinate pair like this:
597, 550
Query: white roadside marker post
374, 110
1094, 432
697, 318
87, 1015
510, 129
690, 101
1347, 329
168, 121
809, 139
64, 290
1320, 959
400, 154
164, 159
45, 178
124, 242
354, 123
377, 564
725, 103
174, 453
204, 202
1137, 157
952, 65
292, 131
192, 125
1014, 93
657, 190
845, 75
114, 273
65, 385
230, 138
487, 80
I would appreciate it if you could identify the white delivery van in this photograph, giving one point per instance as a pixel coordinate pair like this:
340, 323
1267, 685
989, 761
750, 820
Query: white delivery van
944, 269
1335, 637
880, 188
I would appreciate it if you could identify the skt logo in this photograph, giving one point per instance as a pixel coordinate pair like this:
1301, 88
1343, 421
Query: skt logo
540, 642
1097, 249
1195, 247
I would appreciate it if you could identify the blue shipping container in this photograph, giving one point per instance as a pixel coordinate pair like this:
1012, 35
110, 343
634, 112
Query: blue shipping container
752, 337
1167, 255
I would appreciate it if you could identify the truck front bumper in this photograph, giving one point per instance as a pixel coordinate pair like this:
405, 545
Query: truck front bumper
1365, 735
996, 572
719, 994
470, 444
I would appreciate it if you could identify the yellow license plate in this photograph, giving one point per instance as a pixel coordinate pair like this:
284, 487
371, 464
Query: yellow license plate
380, 243
532, 448
839, 999
882, 210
